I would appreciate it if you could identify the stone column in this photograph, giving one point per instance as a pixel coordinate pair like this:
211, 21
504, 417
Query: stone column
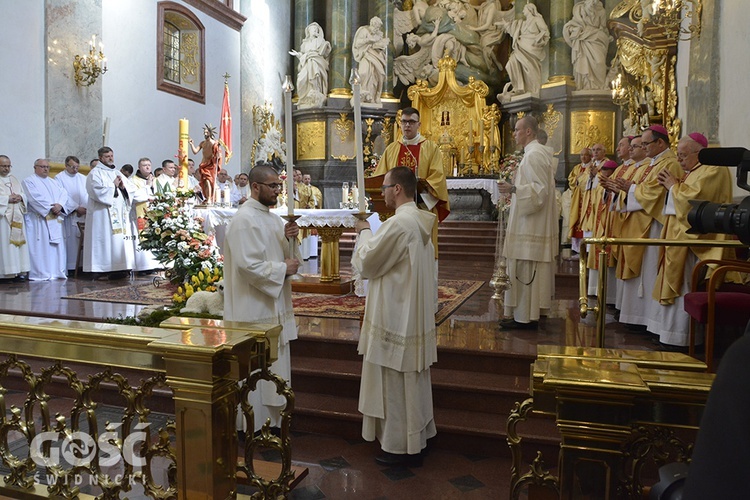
384, 10
73, 113
341, 47
303, 16
560, 65
703, 89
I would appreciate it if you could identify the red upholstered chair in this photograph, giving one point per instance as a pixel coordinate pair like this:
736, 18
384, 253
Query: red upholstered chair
720, 304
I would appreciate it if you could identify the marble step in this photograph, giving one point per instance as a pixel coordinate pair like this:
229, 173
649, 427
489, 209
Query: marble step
498, 363
470, 431
452, 389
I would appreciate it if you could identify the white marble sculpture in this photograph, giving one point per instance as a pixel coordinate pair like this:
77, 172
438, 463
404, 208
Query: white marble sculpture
490, 22
312, 70
368, 49
588, 37
404, 21
407, 68
530, 38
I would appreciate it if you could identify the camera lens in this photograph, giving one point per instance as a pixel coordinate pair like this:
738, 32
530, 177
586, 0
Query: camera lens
706, 217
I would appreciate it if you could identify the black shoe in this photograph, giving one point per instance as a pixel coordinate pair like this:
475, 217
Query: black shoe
673, 348
399, 460
511, 324
635, 328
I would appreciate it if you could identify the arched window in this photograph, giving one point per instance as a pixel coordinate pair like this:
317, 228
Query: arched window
180, 52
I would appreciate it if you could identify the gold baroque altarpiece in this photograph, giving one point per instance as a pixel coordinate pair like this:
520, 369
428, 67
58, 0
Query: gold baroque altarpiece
311, 140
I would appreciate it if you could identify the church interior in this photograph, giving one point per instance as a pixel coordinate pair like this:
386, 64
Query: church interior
582, 405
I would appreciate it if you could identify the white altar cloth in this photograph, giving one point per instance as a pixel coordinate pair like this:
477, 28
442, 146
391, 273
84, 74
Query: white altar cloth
489, 185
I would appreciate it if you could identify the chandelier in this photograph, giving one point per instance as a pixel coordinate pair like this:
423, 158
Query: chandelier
89, 67
620, 93
680, 19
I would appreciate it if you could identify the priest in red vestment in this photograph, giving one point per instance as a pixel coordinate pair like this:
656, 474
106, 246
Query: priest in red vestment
423, 157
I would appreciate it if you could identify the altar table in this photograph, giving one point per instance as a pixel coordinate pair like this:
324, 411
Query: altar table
329, 223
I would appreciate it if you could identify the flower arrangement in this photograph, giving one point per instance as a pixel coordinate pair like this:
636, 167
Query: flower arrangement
372, 165
205, 281
508, 166
177, 240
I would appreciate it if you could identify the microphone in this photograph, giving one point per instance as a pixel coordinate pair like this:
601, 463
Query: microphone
727, 157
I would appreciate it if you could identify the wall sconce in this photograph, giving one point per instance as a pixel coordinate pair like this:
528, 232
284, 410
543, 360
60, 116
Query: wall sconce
89, 67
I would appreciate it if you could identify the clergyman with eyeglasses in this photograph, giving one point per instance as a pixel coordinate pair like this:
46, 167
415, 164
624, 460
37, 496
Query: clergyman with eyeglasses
14, 252
423, 157
257, 263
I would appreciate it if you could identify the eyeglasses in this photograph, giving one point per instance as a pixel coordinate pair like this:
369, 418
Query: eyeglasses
273, 185
386, 186
409, 122
634, 146
646, 143
681, 156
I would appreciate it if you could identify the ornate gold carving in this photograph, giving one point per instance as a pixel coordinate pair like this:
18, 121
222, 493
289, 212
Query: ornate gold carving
537, 474
277, 487
343, 157
591, 127
387, 132
368, 142
189, 64
343, 126
311, 140
329, 253
551, 119
520, 115
649, 443
63, 480
448, 109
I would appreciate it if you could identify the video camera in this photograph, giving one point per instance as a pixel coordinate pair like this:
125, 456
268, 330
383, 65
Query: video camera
727, 218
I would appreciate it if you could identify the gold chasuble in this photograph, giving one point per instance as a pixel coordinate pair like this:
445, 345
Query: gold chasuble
426, 161
704, 182
576, 183
651, 195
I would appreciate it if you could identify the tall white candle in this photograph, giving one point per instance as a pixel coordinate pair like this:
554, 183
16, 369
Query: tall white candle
357, 103
288, 88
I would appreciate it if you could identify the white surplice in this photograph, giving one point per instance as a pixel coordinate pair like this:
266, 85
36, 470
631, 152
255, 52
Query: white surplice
44, 231
256, 289
531, 238
239, 192
75, 186
14, 250
108, 241
144, 259
397, 338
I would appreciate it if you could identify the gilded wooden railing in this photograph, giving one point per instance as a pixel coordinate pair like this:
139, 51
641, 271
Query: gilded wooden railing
71, 453
601, 296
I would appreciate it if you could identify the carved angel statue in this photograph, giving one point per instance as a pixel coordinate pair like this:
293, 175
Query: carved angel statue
530, 38
368, 49
588, 37
408, 68
312, 70
404, 21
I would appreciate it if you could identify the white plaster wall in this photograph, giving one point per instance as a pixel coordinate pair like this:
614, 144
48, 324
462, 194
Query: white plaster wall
144, 120
22, 55
734, 106
266, 40
682, 73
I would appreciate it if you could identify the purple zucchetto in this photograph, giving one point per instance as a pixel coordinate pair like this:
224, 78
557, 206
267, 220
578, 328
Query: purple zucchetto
699, 138
659, 129
609, 165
